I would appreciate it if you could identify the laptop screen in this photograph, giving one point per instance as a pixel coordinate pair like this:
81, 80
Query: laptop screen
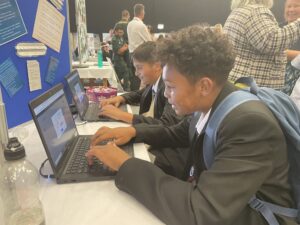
56, 125
78, 93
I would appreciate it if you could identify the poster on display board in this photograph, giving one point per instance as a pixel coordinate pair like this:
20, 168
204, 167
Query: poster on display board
10, 78
49, 25
11, 22
16, 90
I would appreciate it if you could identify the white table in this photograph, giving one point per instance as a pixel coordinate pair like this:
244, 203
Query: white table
107, 71
90, 203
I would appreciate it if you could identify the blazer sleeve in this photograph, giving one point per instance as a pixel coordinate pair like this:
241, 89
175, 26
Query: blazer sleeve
242, 164
265, 35
164, 136
133, 97
168, 117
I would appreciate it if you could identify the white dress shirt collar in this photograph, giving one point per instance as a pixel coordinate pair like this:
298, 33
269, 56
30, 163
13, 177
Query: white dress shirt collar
138, 19
155, 86
202, 121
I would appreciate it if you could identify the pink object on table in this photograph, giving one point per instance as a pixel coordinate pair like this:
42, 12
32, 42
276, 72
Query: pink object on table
96, 94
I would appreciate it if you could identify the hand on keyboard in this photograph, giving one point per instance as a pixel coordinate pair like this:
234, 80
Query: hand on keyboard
116, 113
119, 136
111, 155
116, 101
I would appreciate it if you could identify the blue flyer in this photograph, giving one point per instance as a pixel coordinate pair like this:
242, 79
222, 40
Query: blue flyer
52, 68
11, 22
9, 77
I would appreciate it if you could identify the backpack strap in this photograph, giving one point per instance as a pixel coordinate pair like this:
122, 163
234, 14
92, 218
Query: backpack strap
277, 209
249, 82
227, 105
266, 209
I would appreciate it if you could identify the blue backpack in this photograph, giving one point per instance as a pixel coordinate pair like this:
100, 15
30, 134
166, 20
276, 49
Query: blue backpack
288, 116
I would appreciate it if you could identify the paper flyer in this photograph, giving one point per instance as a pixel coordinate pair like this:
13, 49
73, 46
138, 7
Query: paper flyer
9, 77
49, 25
11, 22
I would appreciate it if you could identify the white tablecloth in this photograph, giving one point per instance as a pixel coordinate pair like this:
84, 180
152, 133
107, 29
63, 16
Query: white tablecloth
93, 71
90, 203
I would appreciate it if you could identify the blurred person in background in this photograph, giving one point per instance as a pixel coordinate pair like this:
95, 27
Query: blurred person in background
106, 51
291, 14
151, 31
137, 35
123, 23
120, 46
259, 42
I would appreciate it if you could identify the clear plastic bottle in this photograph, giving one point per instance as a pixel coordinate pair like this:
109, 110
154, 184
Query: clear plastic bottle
1, 168
19, 185
100, 58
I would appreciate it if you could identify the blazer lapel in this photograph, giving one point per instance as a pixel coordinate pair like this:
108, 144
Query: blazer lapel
146, 100
196, 159
158, 95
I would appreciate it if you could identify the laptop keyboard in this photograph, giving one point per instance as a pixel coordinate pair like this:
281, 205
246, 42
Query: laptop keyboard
92, 112
79, 162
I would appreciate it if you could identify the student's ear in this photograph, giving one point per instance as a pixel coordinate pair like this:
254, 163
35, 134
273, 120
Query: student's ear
157, 66
204, 86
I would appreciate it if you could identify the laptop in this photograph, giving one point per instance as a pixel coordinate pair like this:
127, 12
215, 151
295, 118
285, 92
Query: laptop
65, 148
87, 111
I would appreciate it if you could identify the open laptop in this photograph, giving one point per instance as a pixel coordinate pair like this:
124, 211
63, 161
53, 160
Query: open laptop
65, 148
87, 111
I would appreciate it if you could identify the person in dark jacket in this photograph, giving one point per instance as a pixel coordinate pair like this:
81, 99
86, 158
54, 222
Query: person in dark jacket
120, 47
106, 52
251, 153
123, 23
154, 107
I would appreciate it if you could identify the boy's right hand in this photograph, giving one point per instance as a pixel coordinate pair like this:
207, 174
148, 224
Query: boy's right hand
116, 101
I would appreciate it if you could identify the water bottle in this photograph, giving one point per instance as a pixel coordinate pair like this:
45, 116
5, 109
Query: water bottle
1, 201
19, 188
100, 58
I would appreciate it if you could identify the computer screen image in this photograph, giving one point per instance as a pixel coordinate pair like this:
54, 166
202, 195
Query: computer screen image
77, 90
56, 125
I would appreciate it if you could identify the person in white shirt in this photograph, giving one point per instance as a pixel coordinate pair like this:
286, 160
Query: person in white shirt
136, 29
138, 34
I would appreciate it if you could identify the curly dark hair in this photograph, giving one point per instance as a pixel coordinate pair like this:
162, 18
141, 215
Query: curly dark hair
146, 52
198, 51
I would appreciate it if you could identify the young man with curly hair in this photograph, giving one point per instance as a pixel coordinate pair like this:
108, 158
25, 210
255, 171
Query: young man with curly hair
250, 157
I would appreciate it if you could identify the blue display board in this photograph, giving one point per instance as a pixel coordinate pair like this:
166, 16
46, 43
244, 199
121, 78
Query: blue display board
17, 109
